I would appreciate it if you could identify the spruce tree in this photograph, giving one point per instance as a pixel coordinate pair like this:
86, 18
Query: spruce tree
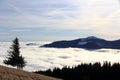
14, 58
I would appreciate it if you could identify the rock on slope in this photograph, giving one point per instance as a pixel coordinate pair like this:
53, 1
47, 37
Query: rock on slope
14, 74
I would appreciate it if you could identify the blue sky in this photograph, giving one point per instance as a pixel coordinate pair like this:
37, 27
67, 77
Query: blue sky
50, 20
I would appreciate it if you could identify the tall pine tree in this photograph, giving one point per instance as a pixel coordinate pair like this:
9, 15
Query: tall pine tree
14, 58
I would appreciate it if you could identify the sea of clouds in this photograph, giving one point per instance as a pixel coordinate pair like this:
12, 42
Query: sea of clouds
48, 58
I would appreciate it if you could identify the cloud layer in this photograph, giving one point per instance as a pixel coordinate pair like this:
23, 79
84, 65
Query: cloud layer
49, 58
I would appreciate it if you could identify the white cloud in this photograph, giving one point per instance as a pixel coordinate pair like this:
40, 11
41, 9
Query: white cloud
70, 14
44, 58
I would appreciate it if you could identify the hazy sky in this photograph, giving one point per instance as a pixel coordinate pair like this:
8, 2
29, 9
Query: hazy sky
50, 20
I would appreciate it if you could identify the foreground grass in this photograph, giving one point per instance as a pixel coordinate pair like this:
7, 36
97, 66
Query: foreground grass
14, 74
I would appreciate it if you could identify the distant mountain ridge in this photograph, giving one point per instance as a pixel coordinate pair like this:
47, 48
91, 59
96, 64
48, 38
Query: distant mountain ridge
86, 43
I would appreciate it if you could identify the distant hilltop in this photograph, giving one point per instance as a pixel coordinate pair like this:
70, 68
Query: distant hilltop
86, 43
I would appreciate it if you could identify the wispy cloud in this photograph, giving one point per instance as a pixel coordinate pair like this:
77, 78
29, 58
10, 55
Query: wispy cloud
101, 16
3, 33
20, 30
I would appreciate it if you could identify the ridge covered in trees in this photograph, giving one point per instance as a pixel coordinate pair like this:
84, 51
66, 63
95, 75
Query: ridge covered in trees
95, 71
89, 43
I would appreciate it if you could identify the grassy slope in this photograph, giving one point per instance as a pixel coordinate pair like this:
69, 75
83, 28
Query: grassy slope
14, 74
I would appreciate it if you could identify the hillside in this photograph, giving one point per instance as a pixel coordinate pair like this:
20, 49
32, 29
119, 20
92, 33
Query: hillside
86, 43
14, 74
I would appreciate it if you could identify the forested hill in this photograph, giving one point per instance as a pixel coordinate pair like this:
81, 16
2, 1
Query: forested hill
86, 43
95, 71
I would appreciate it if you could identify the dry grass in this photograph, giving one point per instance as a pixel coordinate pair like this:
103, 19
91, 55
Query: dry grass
14, 74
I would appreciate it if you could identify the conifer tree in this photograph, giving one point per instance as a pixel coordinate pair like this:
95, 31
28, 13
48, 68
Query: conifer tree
14, 58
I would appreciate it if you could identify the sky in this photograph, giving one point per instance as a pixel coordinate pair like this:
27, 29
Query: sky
51, 20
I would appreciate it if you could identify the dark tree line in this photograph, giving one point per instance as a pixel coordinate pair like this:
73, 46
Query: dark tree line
95, 71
